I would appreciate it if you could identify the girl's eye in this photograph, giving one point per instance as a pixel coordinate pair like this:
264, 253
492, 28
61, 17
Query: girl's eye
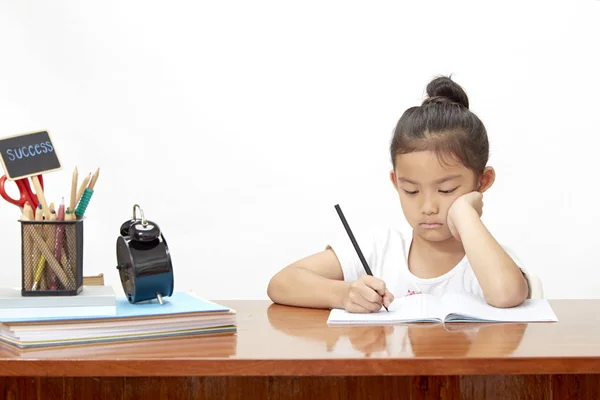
448, 191
410, 192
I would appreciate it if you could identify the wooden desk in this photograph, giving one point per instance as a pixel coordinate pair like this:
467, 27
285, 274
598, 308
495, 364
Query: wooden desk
286, 352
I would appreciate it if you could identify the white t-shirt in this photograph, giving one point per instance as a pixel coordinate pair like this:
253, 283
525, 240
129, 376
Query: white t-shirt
386, 254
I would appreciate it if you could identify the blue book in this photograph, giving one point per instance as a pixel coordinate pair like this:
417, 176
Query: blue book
177, 304
180, 315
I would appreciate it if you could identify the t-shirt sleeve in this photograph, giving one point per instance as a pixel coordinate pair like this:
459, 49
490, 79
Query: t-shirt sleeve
352, 267
514, 257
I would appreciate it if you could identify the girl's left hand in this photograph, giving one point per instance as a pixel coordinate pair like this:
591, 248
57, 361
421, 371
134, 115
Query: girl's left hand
461, 206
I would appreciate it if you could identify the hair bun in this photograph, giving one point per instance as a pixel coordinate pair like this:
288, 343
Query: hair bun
444, 90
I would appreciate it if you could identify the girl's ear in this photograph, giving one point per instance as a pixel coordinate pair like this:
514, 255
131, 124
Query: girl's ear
393, 179
486, 180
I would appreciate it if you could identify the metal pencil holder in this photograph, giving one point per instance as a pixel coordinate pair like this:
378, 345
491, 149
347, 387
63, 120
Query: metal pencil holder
51, 258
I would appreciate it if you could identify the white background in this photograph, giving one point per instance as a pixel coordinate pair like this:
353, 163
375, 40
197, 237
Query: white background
238, 125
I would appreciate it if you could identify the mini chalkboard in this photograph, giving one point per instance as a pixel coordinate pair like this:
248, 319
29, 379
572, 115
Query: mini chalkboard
28, 154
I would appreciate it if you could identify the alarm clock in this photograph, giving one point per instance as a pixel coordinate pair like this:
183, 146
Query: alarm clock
143, 260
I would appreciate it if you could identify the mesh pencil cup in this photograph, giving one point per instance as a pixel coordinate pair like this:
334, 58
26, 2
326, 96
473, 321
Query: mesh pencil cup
51, 258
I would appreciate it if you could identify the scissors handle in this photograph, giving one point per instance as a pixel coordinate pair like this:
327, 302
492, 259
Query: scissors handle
26, 195
20, 202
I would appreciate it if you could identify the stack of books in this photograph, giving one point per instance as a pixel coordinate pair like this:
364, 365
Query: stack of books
92, 301
180, 315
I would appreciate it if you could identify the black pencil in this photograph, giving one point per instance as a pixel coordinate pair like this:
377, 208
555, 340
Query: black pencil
354, 243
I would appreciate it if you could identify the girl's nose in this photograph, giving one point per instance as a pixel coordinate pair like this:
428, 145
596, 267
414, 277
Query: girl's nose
429, 206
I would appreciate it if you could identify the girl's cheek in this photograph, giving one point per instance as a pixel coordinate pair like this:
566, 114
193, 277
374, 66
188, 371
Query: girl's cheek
448, 203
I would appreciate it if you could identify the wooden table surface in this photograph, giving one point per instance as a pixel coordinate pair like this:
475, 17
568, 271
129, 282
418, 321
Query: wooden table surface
279, 340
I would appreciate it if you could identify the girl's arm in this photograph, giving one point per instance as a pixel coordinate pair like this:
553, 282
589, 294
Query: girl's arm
501, 280
315, 281
318, 281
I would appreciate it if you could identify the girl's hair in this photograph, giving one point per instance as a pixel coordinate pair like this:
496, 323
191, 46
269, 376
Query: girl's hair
443, 124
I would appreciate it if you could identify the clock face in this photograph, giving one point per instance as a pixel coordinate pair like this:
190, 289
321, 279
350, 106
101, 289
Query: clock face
125, 267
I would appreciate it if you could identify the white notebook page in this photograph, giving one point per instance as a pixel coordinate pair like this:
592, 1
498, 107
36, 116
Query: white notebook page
421, 307
537, 310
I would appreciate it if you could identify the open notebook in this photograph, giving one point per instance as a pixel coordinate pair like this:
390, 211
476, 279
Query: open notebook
448, 308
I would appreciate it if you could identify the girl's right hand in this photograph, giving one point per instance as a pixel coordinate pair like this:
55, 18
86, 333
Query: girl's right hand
366, 295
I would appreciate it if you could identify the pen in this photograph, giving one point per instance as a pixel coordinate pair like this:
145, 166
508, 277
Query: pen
355, 244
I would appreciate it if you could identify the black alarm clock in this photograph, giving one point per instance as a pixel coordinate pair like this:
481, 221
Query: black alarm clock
143, 260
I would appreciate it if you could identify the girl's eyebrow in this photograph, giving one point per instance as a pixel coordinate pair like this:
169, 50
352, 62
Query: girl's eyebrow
448, 178
438, 181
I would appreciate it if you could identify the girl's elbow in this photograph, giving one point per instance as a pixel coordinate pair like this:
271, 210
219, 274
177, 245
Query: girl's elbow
278, 287
273, 289
511, 296
506, 301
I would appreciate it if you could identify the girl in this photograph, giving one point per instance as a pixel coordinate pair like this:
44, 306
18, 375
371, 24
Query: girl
439, 154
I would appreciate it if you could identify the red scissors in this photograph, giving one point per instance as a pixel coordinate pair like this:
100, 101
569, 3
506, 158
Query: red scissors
27, 195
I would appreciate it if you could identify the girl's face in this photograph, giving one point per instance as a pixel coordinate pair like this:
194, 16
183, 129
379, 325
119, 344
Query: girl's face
427, 188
